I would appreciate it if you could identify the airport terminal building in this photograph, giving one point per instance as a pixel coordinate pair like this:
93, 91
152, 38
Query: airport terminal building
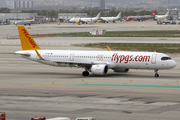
15, 16
68, 16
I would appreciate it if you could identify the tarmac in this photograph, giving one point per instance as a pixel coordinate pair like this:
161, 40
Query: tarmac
30, 89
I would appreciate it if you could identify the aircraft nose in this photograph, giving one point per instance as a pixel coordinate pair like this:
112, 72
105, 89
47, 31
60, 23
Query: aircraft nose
173, 64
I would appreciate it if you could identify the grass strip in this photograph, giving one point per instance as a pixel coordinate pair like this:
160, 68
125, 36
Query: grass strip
163, 48
162, 33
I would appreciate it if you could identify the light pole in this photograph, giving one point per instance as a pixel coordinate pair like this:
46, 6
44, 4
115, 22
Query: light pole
91, 11
17, 9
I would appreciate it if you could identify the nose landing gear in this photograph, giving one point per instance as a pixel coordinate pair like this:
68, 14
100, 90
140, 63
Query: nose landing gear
156, 73
85, 73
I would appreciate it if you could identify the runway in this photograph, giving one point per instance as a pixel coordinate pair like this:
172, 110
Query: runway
30, 89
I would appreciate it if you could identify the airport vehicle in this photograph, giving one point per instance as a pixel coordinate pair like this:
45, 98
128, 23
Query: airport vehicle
85, 20
2, 116
110, 19
85, 118
25, 22
38, 118
141, 18
96, 62
162, 16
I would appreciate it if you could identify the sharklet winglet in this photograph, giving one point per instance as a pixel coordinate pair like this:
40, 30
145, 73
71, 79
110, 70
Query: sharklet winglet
39, 55
108, 48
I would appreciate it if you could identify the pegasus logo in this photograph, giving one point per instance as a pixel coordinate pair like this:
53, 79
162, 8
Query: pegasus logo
29, 38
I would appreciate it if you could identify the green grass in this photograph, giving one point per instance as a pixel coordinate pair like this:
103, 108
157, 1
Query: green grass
162, 33
163, 48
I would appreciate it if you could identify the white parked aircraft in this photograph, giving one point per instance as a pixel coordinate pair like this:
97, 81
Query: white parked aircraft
162, 16
96, 62
111, 19
85, 20
25, 22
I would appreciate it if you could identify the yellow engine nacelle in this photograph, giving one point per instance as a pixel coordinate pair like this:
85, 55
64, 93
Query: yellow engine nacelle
77, 22
99, 21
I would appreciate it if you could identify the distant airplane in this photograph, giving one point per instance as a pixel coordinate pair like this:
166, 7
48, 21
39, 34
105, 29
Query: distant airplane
111, 19
162, 16
96, 62
25, 22
178, 17
85, 20
141, 18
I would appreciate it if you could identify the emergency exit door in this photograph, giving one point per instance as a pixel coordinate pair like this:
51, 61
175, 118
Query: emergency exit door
153, 60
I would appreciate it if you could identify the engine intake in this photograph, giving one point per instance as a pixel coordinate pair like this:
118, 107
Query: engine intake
99, 69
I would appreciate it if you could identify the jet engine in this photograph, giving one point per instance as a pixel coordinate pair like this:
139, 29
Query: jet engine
99, 21
99, 69
77, 22
120, 70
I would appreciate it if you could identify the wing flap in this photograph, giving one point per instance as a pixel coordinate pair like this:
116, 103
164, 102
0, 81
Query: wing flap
73, 62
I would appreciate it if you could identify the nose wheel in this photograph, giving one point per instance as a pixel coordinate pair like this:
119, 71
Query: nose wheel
156, 73
85, 73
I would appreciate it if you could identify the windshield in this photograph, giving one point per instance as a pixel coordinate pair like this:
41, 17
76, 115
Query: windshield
165, 58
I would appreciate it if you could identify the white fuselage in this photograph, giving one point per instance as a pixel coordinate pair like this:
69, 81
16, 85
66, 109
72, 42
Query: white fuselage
161, 17
24, 22
110, 19
85, 20
113, 59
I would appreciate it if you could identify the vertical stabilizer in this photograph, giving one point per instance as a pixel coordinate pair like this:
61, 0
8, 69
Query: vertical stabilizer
167, 14
98, 15
154, 13
119, 15
27, 42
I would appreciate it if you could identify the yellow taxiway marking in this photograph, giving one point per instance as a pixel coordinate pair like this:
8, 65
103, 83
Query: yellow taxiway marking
171, 83
43, 83
6, 29
58, 85
128, 82
84, 82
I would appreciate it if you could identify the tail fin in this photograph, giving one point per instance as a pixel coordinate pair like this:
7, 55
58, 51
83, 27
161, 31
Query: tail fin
119, 15
154, 13
98, 15
34, 19
178, 15
167, 14
27, 42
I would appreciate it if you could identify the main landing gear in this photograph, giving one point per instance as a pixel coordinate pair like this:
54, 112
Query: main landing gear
156, 73
85, 73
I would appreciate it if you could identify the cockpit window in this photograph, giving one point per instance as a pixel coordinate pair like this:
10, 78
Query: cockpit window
165, 58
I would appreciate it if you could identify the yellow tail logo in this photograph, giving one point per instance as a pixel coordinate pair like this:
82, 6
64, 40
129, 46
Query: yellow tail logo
27, 42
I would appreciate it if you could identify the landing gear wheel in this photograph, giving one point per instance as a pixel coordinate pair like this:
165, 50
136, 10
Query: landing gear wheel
85, 73
156, 75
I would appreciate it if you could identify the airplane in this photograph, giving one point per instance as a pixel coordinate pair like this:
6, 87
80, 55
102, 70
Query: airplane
96, 62
25, 22
110, 19
178, 17
162, 16
85, 20
141, 18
